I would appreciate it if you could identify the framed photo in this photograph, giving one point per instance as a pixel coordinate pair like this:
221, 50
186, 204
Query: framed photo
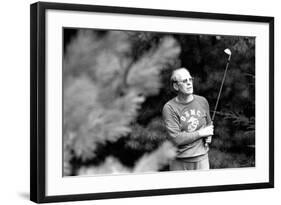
129, 102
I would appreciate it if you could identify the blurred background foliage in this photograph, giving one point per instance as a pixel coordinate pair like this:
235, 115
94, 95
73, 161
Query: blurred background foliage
116, 84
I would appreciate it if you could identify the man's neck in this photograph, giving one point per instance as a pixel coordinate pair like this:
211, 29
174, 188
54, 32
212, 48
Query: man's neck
184, 98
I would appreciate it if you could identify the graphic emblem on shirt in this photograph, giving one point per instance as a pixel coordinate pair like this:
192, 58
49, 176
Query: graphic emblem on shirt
191, 119
192, 124
183, 118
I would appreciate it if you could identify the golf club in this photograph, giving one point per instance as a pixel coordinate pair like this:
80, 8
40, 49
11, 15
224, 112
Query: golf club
228, 52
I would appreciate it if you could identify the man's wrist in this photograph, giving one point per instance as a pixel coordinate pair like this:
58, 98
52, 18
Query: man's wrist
197, 135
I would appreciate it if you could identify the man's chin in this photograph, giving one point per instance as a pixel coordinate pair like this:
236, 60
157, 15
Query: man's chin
189, 92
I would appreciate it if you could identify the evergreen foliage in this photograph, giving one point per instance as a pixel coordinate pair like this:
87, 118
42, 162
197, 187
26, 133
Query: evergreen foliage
115, 84
104, 88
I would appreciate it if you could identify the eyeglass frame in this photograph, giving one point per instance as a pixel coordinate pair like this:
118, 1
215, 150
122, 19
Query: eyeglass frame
185, 80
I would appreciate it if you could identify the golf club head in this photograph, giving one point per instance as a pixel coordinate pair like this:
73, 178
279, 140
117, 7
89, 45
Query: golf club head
228, 52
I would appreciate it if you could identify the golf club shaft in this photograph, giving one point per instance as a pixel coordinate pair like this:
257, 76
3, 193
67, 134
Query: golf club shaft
218, 98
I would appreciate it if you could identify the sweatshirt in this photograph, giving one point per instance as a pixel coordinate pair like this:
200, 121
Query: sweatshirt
183, 120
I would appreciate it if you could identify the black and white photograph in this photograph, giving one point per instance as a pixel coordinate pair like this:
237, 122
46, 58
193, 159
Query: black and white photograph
132, 102
139, 101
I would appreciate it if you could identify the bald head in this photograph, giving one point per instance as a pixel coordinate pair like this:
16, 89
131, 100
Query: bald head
179, 74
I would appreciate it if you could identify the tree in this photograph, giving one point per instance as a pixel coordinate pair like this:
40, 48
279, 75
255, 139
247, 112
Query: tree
104, 86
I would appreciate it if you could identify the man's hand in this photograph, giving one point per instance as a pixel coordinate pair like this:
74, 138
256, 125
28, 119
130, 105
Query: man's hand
208, 140
206, 131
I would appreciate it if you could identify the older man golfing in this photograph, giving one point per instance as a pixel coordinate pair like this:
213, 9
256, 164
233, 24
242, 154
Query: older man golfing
188, 122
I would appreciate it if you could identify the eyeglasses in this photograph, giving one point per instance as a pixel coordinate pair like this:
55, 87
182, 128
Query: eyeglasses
185, 80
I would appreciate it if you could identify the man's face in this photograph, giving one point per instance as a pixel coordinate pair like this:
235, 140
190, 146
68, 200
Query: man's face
184, 82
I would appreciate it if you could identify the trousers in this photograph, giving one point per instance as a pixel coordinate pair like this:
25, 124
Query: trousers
186, 164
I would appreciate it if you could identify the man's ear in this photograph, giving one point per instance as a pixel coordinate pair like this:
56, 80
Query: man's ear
175, 86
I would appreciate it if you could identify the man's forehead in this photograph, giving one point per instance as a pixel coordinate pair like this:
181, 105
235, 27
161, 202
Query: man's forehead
182, 73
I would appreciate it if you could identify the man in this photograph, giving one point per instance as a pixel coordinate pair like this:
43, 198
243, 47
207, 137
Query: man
187, 120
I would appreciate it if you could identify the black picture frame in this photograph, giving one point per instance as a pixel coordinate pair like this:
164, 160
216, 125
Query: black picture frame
38, 100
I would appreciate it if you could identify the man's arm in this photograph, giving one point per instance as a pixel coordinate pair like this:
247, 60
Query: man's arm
181, 137
186, 138
208, 139
209, 120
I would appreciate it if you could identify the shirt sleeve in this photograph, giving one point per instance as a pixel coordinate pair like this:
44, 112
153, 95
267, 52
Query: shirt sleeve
171, 121
204, 103
172, 125
209, 120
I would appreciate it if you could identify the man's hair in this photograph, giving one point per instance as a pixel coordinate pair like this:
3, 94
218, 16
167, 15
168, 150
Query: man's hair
173, 78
